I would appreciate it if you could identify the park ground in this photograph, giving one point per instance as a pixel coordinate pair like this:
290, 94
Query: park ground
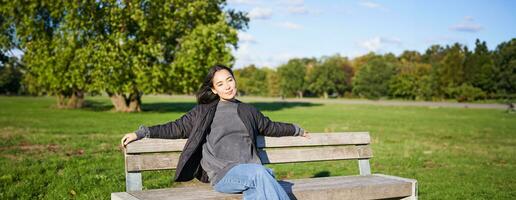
455, 152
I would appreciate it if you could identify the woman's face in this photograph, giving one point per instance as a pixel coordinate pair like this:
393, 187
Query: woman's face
224, 85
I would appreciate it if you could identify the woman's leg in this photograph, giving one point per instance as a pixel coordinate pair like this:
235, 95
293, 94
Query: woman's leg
254, 180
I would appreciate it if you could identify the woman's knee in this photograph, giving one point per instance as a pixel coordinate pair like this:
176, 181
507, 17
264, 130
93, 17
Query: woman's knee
260, 170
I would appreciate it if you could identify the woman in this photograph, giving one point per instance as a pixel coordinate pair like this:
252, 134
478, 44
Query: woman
221, 146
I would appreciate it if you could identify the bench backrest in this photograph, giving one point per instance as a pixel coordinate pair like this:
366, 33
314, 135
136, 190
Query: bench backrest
159, 154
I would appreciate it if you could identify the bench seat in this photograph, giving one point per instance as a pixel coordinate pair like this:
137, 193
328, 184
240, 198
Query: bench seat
375, 186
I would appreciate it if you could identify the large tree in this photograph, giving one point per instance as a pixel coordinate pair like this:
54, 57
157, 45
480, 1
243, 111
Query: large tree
331, 76
292, 77
125, 48
372, 80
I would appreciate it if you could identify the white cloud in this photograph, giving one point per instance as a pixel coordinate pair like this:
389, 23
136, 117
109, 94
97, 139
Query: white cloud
291, 25
246, 37
467, 27
378, 43
260, 13
370, 4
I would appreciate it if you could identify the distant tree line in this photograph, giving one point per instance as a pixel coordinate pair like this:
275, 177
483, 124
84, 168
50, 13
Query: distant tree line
449, 72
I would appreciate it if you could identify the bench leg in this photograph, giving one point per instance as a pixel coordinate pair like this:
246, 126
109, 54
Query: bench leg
364, 167
414, 192
133, 181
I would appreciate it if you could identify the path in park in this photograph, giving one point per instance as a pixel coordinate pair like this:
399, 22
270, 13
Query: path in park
386, 102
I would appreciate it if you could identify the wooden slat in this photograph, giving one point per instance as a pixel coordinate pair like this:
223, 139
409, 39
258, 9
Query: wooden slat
150, 145
145, 162
317, 139
286, 155
338, 188
274, 155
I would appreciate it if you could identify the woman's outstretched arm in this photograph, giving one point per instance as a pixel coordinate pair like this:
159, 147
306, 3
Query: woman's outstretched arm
270, 128
178, 129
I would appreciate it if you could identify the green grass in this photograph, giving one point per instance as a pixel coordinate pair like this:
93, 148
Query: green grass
454, 153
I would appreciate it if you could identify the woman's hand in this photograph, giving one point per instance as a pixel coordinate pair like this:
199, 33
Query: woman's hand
305, 134
128, 138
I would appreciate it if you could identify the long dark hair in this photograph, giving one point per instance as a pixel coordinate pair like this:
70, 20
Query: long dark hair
204, 94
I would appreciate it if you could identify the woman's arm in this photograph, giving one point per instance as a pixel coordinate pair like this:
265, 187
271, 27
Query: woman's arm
270, 128
177, 129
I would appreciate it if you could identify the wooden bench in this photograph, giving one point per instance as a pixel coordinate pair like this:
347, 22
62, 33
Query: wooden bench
159, 154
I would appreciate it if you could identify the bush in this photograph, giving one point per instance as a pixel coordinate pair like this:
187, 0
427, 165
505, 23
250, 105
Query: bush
465, 92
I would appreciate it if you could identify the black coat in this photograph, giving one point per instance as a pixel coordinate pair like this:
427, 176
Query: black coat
195, 125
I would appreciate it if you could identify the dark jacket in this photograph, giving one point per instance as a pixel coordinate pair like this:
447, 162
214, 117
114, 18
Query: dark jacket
195, 125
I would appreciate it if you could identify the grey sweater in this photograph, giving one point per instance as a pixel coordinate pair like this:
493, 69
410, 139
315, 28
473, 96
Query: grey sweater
228, 143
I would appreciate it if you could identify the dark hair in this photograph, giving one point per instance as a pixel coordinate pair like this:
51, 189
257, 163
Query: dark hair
204, 94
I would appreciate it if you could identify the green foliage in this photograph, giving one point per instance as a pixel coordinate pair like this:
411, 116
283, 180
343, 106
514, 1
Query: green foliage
465, 92
505, 61
252, 81
479, 68
124, 48
372, 80
10, 75
412, 81
292, 77
273, 80
451, 71
331, 76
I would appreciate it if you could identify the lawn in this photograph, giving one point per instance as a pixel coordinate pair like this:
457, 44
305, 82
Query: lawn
454, 153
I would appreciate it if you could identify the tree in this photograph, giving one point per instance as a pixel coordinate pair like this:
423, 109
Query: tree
412, 81
273, 80
331, 76
410, 56
10, 75
372, 80
505, 61
251, 81
292, 77
479, 68
125, 48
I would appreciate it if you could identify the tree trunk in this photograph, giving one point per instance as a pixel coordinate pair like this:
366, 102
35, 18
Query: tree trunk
73, 101
325, 95
124, 103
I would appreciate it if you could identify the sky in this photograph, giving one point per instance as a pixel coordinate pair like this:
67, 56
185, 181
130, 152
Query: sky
283, 29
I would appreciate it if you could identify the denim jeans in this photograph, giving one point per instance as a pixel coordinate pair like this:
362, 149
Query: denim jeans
254, 180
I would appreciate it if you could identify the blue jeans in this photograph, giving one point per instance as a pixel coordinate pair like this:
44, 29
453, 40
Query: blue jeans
254, 180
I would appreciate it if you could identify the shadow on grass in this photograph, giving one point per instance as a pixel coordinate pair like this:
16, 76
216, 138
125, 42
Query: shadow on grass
97, 106
321, 174
183, 107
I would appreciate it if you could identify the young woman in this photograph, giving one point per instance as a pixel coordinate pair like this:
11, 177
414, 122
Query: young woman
221, 146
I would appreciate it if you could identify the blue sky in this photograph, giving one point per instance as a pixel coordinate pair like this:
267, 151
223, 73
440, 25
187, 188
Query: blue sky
284, 29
